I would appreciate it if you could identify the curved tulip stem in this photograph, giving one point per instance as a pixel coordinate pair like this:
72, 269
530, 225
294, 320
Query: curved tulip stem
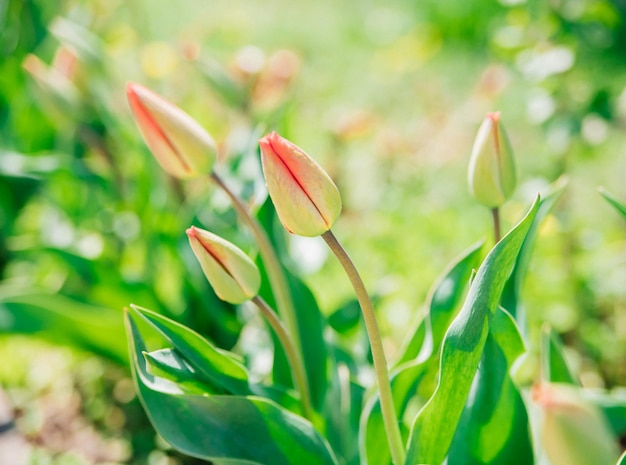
390, 417
275, 272
293, 356
495, 215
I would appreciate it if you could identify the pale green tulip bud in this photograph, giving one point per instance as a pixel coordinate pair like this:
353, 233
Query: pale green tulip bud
491, 173
306, 199
180, 145
573, 431
234, 277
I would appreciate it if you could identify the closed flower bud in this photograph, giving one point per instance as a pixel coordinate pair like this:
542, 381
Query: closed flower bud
234, 277
306, 199
58, 90
491, 173
180, 145
573, 431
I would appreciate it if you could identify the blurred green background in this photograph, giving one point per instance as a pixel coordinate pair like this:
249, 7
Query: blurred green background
387, 96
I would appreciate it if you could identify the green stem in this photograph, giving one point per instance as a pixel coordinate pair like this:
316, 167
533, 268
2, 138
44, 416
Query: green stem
275, 272
495, 215
293, 356
390, 417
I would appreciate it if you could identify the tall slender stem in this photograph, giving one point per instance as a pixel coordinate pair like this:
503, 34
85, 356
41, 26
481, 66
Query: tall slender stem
275, 273
293, 356
390, 417
495, 215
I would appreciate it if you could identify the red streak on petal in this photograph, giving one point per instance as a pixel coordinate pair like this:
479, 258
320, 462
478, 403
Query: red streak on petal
146, 121
276, 144
193, 233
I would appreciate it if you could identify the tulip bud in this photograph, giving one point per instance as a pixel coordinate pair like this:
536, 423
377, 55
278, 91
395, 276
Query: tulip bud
234, 277
59, 92
306, 199
180, 145
573, 431
491, 173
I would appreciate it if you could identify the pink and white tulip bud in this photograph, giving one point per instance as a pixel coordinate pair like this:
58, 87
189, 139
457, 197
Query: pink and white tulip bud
491, 173
181, 146
306, 199
234, 277
573, 431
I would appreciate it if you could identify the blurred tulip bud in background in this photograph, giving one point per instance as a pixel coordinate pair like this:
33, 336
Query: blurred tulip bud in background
306, 199
274, 82
55, 84
491, 173
573, 431
180, 145
234, 277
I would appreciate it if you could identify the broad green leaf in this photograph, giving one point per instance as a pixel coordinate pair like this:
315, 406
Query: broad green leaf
64, 321
418, 363
445, 298
227, 430
218, 319
311, 327
511, 294
622, 459
493, 428
614, 201
214, 370
554, 368
462, 349
346, 317
342, 414
222, 368
170, 365
406, 383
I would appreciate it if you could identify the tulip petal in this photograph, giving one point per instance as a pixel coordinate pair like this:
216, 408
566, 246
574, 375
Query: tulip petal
306, 199
234, 277
180, 145
491, 173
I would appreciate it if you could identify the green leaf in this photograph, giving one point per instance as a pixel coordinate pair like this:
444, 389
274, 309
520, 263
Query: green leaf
436, 423
418, 363
222, 368
311, 328
406, 383
64, 321
214, 370
170, 365
227, 430
342, 414
493, 428
619, 205
445, 298
511, 294
347, 317
310, 321
554, 366
218, 319
622, 459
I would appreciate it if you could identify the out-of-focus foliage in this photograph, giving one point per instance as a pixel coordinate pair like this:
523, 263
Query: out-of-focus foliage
388, 97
